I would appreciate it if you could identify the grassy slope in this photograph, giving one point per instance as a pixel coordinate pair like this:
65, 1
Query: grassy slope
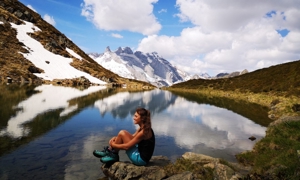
281, 79
278, 87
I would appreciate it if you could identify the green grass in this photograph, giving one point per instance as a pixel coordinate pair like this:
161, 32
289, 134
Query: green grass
276, 154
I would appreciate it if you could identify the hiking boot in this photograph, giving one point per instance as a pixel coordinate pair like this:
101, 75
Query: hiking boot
102, 153
110, 158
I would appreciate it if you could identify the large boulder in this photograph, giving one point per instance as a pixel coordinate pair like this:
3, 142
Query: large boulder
220, 169
127, 170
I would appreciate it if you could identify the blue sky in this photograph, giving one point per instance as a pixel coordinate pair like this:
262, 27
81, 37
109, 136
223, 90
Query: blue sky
197, 36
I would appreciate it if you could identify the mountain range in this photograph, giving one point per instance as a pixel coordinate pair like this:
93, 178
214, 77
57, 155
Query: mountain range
148, 67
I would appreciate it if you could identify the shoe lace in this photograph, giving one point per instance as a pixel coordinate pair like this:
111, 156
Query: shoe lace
106, 148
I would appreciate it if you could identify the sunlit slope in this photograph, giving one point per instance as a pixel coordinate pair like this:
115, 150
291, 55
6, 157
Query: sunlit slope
283, 79
14, 54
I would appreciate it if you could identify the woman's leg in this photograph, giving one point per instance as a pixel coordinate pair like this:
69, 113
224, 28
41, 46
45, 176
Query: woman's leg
123, 137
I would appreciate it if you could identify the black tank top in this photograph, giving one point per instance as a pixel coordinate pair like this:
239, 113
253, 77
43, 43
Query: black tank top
146, 147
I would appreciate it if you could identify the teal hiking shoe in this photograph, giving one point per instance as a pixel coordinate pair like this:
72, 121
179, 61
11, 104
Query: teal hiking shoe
104, 152
110, 158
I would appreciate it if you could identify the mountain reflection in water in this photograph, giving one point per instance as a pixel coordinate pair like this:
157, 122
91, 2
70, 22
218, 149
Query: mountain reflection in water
54, 130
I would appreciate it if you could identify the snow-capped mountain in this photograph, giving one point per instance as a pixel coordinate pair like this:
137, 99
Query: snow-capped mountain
148, 67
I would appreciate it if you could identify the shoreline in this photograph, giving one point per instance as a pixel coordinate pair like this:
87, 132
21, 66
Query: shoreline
282, 160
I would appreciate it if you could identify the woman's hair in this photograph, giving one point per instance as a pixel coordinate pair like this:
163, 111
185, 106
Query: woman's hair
145, 117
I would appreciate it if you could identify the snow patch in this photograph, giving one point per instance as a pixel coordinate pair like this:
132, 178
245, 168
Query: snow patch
54, 66
74, 54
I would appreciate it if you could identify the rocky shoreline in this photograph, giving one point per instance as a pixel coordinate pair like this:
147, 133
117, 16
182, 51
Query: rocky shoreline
194, 166
159, 168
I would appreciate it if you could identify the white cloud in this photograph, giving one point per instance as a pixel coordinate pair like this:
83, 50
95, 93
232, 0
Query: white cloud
136, 16
230, 35
30, 7
162, 11
49, 19
116, 35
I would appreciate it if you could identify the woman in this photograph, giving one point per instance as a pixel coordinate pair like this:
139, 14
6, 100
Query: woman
139, 146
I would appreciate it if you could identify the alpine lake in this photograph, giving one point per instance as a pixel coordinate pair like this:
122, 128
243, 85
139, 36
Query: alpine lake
50, 132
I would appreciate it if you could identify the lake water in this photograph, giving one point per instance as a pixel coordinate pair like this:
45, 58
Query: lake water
50, 132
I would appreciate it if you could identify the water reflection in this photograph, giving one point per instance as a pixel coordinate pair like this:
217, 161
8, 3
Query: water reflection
201, 127
60, 127
50, 97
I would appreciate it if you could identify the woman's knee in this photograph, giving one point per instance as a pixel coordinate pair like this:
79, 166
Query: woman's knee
125, 136
123, 133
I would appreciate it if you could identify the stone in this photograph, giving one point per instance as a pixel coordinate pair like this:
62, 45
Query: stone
221, 171
127, 170
155, 169
185, 175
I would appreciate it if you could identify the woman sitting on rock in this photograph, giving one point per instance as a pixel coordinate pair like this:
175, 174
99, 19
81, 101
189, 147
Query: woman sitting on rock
139, 146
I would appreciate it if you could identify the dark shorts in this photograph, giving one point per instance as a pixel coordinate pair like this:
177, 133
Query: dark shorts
135, 157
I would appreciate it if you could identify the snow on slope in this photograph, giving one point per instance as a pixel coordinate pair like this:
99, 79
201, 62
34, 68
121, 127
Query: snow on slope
117, 65
147, 67
59, 67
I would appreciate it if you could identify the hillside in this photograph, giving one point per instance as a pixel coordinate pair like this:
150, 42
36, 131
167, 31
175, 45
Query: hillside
283, 79
16, 65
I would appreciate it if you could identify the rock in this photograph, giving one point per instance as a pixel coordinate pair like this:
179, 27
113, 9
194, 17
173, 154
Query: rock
296, 107
198, 157
127, 170
186, 176
34, 69
285, 119
220, 171
252, 138
155, 169
80, 81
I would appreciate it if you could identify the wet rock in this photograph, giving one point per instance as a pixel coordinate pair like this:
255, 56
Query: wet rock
252, 138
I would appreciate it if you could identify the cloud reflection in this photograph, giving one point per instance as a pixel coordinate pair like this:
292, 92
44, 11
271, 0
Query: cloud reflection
191, 124
50, 98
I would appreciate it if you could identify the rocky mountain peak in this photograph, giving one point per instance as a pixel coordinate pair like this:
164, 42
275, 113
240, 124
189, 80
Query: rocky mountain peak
127, 50
119, 51
148, 67
107, 49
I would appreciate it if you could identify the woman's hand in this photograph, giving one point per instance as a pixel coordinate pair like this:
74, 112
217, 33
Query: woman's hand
112, 141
